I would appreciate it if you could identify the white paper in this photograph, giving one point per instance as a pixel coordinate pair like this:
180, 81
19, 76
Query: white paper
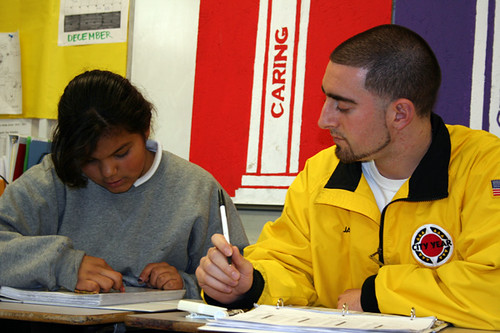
132, 295
15, 126
10, 74
138, 307
84, 22
271, 318
145, 307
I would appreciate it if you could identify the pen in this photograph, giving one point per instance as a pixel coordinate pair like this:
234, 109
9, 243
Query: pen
223, 216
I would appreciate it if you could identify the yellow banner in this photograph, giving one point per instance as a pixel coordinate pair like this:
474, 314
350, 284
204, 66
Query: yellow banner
46, 67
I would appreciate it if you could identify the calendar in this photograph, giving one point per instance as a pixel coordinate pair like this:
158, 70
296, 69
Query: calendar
83, 22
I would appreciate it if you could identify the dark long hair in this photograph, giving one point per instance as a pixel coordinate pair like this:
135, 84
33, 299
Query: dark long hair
93, 104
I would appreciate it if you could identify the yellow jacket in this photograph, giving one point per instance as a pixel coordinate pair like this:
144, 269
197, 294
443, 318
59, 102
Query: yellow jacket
439, 238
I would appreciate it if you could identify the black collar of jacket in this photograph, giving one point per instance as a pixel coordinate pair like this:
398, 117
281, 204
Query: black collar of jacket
429, 181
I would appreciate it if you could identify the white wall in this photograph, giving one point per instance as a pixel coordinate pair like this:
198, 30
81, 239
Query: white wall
254, 220
156, 26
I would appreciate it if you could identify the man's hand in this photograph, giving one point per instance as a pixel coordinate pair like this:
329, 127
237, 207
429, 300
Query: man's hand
95, 275
220, 280
161, 275
351, 297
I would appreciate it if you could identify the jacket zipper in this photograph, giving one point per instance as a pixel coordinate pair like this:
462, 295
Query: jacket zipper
380, 250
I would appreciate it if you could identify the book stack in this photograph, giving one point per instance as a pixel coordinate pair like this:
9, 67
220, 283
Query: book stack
133, 299
18, 153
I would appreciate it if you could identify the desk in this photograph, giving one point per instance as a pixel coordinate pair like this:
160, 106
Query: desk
176, 321
77, 317
167, 321
19, 313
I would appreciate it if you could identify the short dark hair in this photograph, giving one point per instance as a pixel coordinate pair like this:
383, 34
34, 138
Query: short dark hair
399, 64
93, 104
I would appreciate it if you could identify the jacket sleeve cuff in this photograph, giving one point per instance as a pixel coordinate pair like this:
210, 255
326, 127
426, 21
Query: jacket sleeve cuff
247, 300
369, 301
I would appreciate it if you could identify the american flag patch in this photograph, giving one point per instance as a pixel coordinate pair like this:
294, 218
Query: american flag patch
495, 187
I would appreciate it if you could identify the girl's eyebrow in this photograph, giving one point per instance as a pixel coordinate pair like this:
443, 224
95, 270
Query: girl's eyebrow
121, 147
117, 150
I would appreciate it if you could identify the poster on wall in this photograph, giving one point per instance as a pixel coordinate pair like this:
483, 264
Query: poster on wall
258, 88
251, 118
92, 22
10, 74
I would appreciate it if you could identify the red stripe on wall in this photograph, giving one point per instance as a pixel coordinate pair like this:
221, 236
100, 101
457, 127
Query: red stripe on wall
224, 77
330, 23
294, 81
223, 85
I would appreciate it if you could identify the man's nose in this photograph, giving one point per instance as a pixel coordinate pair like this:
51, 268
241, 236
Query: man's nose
329, 115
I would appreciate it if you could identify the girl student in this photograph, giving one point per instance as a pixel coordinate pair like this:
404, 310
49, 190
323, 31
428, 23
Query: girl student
108, 207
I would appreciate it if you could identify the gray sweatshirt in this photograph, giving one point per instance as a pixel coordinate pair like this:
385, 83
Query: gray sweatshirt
46, 227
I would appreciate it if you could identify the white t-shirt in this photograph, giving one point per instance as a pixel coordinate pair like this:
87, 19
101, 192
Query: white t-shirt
383, 188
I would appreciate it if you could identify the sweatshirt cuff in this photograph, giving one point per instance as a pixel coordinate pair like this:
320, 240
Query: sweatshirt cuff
190, 284
248, 299
369, 301
66, 270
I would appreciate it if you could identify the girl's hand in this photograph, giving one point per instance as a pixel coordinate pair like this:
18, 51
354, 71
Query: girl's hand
161, 275
95, 275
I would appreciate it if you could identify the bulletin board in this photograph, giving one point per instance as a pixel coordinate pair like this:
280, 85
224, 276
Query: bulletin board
205, 74
210, 74
47, 67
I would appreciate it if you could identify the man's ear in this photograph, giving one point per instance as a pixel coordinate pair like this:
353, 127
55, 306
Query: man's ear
402, 113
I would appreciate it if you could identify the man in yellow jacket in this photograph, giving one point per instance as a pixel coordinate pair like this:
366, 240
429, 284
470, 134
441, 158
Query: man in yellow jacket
403, 212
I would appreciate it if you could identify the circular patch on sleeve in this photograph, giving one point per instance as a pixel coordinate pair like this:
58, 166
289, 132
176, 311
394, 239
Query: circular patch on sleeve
432, 245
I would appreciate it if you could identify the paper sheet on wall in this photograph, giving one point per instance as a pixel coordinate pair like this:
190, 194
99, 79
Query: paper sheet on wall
10, 74
15, 126
92, 22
